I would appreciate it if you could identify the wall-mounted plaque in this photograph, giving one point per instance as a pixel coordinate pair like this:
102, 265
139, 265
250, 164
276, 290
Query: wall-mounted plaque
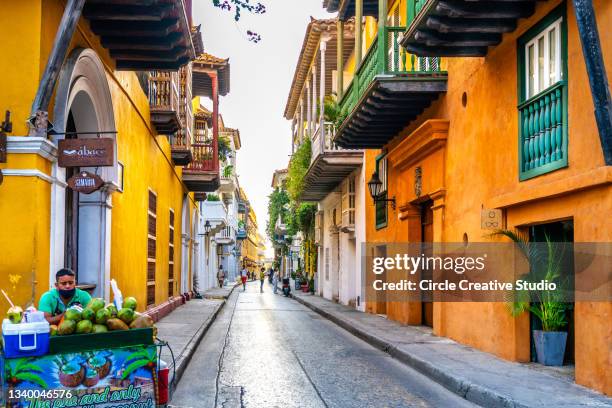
491, 219
86, 152
85, 182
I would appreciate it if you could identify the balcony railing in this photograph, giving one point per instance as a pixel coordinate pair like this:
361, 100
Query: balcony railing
414, 7
163, 91
386, 57
543, 132
204, 159
323, 140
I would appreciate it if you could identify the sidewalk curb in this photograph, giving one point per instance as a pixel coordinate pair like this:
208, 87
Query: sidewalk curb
185, 357
472, 392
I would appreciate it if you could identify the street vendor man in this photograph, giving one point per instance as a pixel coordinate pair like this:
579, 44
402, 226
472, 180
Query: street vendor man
65, 294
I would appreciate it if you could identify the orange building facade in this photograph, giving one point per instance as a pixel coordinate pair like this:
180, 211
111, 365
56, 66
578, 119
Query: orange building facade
467, 149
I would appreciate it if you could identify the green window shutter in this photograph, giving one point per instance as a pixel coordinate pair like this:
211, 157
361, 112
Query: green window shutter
542, 92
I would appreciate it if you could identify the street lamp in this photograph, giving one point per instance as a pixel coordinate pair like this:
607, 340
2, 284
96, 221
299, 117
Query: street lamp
375, 187
207, 228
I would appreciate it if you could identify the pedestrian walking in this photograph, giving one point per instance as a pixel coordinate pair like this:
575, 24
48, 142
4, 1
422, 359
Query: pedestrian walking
275, 280
243, 277
262, 276
221, 276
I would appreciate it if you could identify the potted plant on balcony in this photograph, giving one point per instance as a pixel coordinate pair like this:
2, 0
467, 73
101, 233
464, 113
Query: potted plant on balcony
545, 264
212, 197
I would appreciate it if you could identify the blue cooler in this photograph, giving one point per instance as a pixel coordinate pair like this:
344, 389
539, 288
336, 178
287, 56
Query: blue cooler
25, 339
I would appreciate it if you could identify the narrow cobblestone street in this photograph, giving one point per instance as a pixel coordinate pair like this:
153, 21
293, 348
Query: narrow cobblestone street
265, 350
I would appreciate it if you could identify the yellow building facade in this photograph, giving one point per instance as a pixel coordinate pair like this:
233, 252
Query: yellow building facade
139, 228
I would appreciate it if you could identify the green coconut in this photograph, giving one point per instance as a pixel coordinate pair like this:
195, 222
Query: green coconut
130, 303
99, 328
88, 314
14, 314
73, 314
102, 316
126, 315
112, 308
84, 327
66, 327
96, 304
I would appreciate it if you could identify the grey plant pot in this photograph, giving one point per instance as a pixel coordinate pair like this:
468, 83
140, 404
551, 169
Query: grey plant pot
550, 347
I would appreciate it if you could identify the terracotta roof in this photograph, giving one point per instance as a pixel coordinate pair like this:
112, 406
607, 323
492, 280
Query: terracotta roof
206, 58
196, 37
202, 85
310, 48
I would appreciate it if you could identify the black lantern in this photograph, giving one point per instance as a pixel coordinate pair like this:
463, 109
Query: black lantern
375, 187
207, 228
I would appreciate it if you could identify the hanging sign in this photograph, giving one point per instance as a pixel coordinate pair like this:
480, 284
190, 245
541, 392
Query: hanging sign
86, 152
85, 182
3, 147
1, 177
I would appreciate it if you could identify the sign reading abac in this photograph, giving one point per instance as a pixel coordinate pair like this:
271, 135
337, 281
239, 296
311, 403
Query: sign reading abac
86, 152
85, 182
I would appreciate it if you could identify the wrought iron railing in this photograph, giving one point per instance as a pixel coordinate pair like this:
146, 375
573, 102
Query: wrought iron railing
386, 58
543, 131
163, 91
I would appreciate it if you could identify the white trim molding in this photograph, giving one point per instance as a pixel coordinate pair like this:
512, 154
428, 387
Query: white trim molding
32, 145
32, 173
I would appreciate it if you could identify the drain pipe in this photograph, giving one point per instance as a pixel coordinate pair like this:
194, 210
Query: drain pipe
596, 70
39, 119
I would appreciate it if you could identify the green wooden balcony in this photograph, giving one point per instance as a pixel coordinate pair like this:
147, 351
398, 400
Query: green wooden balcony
543, 132
461, 28
390, 89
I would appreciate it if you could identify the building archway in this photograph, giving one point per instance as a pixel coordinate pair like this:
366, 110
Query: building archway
81, 223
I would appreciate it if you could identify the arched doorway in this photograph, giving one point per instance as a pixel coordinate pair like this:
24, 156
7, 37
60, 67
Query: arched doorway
81, 223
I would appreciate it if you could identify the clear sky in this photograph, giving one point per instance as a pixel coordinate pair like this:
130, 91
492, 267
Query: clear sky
261, 75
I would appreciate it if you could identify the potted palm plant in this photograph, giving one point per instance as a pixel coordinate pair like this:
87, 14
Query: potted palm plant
545, 263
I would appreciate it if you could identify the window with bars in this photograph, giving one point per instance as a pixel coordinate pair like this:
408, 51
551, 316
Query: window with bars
381, 206
542, 77
151, 247
171, 256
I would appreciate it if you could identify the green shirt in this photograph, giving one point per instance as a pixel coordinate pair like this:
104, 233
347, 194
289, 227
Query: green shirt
51, 302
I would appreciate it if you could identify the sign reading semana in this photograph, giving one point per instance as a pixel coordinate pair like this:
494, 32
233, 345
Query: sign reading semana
86, 152
85, 182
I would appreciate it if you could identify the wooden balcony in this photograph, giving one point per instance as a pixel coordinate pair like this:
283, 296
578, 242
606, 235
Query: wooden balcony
180, 144
329, 165
142, 35
390, 89
164, 101
202, 174
461, 28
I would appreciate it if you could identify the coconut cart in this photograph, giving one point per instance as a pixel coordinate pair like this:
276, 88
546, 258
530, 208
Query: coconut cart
116, 368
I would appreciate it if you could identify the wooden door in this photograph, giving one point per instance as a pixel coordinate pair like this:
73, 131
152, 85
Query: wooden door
426, 240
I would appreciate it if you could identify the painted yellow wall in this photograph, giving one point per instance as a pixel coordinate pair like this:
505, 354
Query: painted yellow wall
28, 30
